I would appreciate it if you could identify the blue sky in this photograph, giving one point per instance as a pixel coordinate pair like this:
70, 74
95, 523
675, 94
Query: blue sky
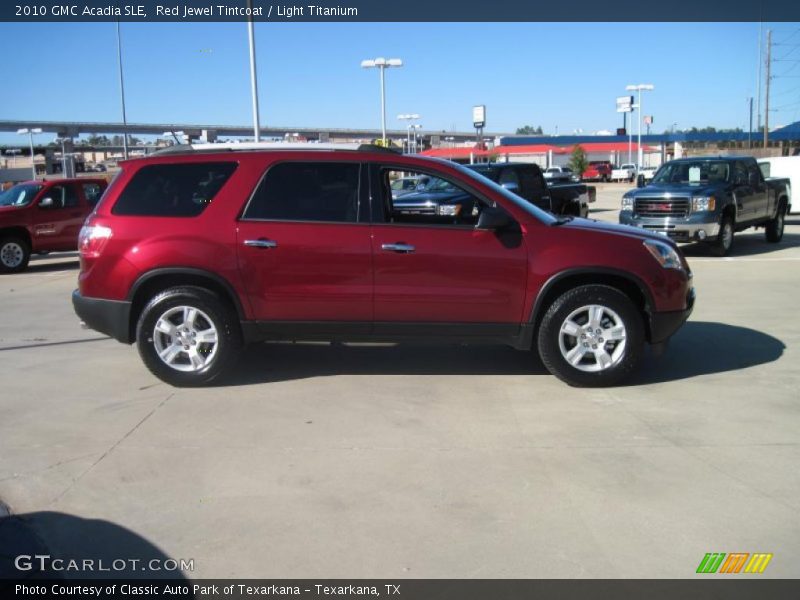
553, 75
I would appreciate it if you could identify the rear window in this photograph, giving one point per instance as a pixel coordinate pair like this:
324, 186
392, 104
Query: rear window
173, 190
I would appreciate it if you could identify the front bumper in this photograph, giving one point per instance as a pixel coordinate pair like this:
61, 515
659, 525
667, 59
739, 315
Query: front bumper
694, 228
111, 317
664, 324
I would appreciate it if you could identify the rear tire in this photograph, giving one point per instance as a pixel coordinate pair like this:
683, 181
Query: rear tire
14, 255
724, 242
591, 336
187, 336
774, 228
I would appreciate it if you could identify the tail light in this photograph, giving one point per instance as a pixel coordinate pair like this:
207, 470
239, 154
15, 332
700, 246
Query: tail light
92, 240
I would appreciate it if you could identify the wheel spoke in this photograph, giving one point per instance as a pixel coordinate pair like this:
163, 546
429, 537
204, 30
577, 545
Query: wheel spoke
169, 353
603, 358
189, 315
165, 326
575, 355
614, 333
595, 316
571, 328
194, 356
207, 336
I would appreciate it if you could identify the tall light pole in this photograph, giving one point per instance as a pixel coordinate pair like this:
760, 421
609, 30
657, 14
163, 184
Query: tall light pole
382, 64
416, 127
122, 95
412, 117
30, 133
251, 36
647, 87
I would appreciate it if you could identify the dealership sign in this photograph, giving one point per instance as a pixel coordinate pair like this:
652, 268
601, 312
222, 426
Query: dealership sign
479, 116
625, 104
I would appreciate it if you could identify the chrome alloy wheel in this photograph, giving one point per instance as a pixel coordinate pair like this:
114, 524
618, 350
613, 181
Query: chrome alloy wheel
12, 255
592, 338
185, 339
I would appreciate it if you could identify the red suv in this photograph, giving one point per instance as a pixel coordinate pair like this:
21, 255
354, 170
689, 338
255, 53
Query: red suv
194, 252
43, 216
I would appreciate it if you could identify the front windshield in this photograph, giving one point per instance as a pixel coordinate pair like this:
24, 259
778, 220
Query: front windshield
20, 195
694, 171
511, 197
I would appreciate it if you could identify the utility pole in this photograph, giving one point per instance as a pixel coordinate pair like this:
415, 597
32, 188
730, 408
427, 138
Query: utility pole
758, 78
750, 129
766, 93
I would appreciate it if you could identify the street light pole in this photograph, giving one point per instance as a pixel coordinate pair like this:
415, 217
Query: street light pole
382, 64
639, 88
30, 133
122, 95
253, 80
413, 117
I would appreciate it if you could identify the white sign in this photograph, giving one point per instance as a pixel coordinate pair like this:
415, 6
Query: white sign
479, 115
625, 104
648, 120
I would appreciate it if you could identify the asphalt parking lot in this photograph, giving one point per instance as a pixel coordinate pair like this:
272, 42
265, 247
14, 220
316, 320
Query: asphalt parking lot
416, 461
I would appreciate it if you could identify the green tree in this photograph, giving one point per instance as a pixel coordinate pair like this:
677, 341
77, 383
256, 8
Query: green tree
530, 130
578, 161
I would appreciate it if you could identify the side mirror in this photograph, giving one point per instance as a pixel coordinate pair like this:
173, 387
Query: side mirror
510, 186
46, 202
493, 218
640, 181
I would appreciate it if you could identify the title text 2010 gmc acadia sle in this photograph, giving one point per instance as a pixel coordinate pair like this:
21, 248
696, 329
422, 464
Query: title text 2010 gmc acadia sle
197, 251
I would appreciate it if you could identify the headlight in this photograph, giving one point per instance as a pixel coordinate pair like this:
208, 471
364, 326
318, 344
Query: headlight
627, 203
665, 254
703, 203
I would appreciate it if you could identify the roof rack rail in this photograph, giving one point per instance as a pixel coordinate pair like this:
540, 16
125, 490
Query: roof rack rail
251, 146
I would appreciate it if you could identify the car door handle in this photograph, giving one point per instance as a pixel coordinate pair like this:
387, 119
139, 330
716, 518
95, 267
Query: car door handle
398, 247
262, 243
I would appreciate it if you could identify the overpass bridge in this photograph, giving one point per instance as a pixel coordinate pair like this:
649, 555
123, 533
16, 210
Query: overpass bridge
73, 129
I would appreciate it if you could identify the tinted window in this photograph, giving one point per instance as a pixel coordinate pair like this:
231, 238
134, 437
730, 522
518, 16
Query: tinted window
765, 169
301, 191
92, 192
176, 190
63, 196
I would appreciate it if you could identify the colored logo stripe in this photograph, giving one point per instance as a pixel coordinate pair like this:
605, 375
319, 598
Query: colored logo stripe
711, 562
758, 563
734, 562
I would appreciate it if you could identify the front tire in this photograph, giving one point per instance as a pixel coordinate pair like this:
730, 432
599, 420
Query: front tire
774, 228
724, 242
187, 336
591, 336
14, 255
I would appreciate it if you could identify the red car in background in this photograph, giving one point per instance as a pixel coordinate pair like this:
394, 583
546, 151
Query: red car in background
598, 170
44, 216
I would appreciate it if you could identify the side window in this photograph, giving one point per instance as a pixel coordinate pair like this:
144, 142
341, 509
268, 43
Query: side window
440, 202
63, 196
753, 173
740, 173
92, 192
765, 169
303, 191
509, 177
173, 190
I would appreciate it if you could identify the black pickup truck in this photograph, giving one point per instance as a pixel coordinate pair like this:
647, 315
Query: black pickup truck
707, 199
440, 197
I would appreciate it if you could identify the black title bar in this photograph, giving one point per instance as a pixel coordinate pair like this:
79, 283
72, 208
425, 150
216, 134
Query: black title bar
334, 11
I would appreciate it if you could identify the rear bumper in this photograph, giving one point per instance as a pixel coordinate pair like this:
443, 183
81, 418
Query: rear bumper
111, 317
664, 324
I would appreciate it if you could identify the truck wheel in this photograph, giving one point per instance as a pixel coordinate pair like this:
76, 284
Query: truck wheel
187, 336
724, 242
774, 228
14, 255
591, 336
